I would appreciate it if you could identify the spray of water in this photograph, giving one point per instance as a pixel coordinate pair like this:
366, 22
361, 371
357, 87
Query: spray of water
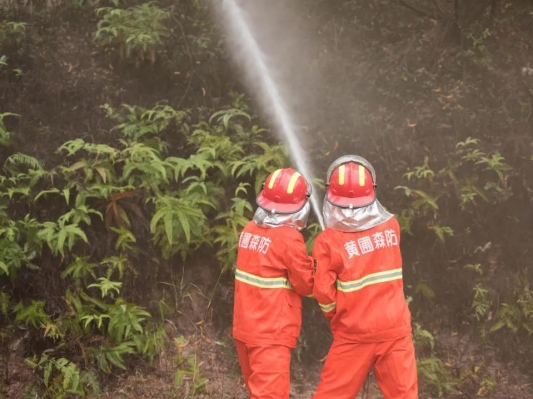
239, 28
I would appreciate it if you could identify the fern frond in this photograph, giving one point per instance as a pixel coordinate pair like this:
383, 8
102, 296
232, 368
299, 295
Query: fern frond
19, 159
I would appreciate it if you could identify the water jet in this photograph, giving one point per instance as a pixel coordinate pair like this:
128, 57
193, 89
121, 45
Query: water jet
238, 28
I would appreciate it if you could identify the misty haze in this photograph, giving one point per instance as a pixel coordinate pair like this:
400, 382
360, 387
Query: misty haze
138, 140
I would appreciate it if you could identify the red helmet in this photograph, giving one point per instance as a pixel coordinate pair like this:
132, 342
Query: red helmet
284, 191
351, 185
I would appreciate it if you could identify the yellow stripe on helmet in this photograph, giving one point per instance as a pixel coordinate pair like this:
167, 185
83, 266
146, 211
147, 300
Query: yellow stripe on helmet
273, 178
342, 171
292, 182
361, 175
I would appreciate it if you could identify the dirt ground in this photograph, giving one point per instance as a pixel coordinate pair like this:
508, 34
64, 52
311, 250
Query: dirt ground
217, 361
220, 365
196, 335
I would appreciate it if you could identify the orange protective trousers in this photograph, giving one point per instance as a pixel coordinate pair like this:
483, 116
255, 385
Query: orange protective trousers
348, 365
266, 370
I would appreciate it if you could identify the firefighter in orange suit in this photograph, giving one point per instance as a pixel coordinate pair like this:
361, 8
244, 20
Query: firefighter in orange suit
358, 285
273, 271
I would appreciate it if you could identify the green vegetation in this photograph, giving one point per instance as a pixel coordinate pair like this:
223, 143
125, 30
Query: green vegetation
100, 189
136, 31
129, 165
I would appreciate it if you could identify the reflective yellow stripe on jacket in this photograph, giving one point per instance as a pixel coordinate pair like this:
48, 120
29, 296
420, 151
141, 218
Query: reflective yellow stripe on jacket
262, 282
374, 278
328, 307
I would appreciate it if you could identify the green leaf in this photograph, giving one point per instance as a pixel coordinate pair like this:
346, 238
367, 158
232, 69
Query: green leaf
179, 377
47, 372
66, 194
61, 237
105, 285
4, 268
498, 326
185, 225
44, 192
155, 219
169, 221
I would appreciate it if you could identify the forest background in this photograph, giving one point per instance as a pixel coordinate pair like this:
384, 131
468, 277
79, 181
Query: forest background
131, 153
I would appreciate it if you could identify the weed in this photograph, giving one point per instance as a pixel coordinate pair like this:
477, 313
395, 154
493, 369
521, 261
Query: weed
431, 370
137, 31
188, 377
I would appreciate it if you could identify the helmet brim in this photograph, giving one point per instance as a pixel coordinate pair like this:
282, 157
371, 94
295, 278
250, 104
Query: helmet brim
271, 206
345, 202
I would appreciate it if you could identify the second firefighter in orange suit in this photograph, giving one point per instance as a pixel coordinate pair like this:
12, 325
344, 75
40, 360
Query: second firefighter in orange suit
358, 285
273, 271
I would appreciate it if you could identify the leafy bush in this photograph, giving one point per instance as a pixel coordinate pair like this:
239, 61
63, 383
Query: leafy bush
140, 187
11, 32
460, 274
137, 31
432, 373
471, 181
62, 377
5, 136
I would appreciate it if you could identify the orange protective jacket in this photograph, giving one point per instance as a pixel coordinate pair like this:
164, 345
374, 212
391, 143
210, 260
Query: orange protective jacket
358, 283
273, 272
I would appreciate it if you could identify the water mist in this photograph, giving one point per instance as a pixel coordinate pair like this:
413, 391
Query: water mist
258, 71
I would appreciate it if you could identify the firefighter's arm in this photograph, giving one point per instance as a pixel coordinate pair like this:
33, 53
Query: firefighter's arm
325, 290
299, 266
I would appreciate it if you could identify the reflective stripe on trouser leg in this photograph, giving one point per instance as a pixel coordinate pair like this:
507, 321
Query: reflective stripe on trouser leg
395, 369
346, 368
270, 371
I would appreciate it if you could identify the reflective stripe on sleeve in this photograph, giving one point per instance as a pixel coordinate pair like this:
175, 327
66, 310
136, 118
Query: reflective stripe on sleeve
374, 278
262, 282
328, 308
